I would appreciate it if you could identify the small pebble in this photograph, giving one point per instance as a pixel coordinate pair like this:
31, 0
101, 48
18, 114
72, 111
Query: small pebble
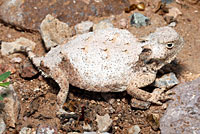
154, 121
84, 27
141, 6
103, 122
138, 20
166, 81
134, 130
172, 24
28, 71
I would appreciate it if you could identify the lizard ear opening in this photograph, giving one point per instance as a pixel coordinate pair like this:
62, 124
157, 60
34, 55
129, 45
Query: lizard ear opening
146, 52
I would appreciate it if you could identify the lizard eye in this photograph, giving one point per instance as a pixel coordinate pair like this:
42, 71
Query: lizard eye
170, 45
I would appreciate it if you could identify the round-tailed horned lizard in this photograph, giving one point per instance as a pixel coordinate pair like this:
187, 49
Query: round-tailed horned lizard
110, 60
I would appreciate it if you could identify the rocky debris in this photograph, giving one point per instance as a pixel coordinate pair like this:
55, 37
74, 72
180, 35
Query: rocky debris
11, 106
103, 122
153, 120
103, 25
166, 81
26, 130
10, 47
138, 20
27, 70
134, 129
54, 32
29, 14
2, 125
46, 129
183, 113
83, 27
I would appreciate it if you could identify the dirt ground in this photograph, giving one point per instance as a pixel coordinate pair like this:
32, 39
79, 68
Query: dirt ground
38, 95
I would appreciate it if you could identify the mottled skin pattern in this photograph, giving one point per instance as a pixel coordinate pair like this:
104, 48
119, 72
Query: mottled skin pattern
110, 60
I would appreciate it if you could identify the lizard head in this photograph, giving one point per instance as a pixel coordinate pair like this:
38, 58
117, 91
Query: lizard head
162, 47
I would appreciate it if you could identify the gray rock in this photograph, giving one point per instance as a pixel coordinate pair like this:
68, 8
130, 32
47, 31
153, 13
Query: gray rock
11, 106
54, 32
138, 20
2, 125
103, 25
134, 130
166, 81
29, 14
103, 122
10, 47
83, 27
183, 114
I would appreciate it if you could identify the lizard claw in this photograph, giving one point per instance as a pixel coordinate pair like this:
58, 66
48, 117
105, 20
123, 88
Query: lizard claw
159, 95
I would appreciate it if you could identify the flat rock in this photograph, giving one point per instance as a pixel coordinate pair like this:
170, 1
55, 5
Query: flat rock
54, 32
29, 14
183, 114
166, 81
